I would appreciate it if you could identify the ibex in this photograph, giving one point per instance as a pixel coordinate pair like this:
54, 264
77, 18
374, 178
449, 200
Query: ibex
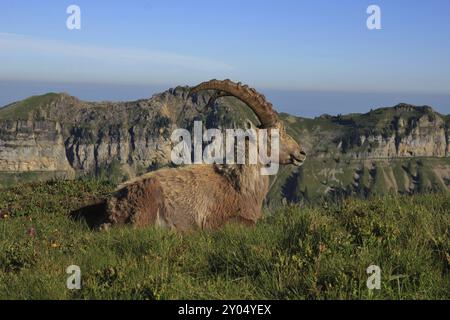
204, 196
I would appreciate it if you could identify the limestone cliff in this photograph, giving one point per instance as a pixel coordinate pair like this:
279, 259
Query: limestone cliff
57, 135
408, 135
32, 146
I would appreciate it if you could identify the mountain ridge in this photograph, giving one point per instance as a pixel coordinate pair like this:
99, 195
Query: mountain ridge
65, 137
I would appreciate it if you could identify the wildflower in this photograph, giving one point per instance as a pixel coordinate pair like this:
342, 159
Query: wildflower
3, 215
322, 247
31, 232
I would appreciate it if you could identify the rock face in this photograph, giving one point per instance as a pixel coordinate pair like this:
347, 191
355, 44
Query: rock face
426, 136
62, 133
58, 133
32, 146
403, 131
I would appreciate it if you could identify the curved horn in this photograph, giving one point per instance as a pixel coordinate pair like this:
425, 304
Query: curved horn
256, 101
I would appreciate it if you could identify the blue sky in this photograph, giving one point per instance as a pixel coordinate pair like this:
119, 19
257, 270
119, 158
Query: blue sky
316, 47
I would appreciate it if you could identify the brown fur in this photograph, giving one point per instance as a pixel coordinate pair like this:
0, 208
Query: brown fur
193, 197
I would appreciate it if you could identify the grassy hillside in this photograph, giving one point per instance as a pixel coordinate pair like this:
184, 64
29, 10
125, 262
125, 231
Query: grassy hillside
317, 252
320, 179
29, 108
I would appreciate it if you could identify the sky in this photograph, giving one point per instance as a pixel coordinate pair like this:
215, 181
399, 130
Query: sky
308, 57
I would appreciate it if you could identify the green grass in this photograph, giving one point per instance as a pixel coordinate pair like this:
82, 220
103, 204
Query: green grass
319, 252
21, 110
11, 178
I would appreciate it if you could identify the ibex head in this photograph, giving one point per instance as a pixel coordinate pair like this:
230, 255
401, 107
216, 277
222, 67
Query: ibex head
290, 151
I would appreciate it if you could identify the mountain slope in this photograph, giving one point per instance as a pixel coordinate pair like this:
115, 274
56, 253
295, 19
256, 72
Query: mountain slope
404, 149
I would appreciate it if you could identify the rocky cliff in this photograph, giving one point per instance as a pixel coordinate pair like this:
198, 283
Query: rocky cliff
57, 132
403, 131
407, 132
57, 135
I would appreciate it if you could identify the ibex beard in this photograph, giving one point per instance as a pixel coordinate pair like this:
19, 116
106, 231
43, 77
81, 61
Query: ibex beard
204, 196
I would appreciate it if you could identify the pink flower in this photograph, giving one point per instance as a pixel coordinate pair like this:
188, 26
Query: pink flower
31, 232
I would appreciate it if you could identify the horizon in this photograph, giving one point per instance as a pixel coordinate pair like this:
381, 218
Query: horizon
302, 103
308, 58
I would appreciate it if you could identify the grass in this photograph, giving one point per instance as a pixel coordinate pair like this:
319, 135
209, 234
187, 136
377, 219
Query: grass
317, 252
21, 110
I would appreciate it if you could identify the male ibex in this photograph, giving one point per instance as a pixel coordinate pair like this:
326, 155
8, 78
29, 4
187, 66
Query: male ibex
204, 196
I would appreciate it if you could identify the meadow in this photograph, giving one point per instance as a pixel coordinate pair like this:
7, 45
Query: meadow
296, 252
